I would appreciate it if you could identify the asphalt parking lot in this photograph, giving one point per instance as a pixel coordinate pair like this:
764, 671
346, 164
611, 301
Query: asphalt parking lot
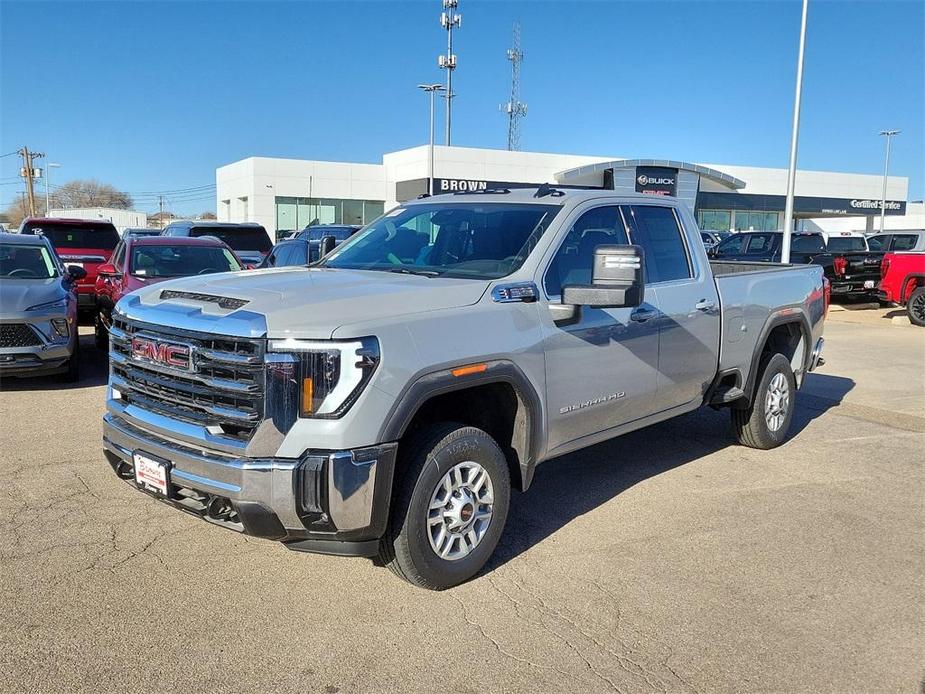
668, 560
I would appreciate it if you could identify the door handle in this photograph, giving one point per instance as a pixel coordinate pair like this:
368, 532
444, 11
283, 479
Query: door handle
641, 315
705, 305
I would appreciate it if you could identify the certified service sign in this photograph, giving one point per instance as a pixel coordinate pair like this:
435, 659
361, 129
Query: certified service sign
656, 180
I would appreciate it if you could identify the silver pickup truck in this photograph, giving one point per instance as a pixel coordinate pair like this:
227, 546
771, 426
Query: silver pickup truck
384, 401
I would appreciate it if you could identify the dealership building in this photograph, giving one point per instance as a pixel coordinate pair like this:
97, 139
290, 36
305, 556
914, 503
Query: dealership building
288, 194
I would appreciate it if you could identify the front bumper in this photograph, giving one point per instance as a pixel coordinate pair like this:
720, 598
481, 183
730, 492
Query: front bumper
46, 357
332, 502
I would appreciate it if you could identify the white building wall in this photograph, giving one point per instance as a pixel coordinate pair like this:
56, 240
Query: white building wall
121, 219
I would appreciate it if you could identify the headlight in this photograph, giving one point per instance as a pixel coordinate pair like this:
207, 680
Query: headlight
331, 374
50, 305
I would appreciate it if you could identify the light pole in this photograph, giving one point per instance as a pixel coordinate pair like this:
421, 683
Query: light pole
48, 167
794, 136
886, 172
432, 89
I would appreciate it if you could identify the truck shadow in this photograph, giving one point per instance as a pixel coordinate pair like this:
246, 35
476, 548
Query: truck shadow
94, 371
573, 485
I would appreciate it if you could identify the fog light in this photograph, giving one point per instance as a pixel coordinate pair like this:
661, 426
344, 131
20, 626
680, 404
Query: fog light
60, 328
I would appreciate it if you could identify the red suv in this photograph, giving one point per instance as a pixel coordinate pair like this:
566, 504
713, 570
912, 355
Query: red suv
903, 283
142, 260
87, 243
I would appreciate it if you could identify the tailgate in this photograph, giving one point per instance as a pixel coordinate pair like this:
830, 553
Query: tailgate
89, 259
862, 263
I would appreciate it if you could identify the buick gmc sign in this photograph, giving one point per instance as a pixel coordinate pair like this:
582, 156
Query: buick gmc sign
656, 180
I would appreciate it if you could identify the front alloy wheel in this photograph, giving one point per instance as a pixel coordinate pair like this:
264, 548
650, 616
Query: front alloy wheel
460, 511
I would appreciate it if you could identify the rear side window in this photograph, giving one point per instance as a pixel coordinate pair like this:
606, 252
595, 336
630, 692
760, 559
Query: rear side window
656, 229
903, 242
879, 243
238, 238
76, 235
807, 244
574, 260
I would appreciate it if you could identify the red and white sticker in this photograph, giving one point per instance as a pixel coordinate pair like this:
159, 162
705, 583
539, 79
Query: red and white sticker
150, 473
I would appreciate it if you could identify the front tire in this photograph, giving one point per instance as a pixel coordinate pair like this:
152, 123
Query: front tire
450, 506
100, 333
765, 423
915, 307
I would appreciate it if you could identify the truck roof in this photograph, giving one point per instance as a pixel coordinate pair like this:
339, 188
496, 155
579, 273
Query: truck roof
176, 241
72, 221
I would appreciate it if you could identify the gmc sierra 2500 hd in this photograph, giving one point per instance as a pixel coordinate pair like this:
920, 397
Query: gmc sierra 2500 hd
384, 401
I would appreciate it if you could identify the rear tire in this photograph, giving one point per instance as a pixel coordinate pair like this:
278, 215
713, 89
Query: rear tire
449, 508
100, 333
764, 424
915, 306
72, 375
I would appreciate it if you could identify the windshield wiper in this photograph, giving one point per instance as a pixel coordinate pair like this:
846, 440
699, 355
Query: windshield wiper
409, 271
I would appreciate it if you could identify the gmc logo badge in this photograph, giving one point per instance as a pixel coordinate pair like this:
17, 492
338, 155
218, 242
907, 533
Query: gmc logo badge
163, 353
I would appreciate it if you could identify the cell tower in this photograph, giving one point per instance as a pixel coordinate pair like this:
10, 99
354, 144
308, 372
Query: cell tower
449, 19
515, 109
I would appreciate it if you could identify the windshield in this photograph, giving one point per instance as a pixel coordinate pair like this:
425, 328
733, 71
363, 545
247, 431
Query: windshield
180, 261
466, 240
842, 244
75, 235
26, 262
238, 238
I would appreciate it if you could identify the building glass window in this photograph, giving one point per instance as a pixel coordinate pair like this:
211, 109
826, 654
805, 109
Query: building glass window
715, 220
756, 221
297, 213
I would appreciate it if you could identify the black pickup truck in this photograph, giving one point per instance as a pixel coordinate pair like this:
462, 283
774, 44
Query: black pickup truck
851, 273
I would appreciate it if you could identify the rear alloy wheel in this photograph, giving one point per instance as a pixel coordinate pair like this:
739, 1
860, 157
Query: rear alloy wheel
915, 307
766, 422
450, 506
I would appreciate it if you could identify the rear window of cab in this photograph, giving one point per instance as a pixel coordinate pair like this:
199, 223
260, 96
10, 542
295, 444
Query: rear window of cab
102, 236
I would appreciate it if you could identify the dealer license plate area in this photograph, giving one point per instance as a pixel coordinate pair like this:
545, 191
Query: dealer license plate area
152, 474
868, 284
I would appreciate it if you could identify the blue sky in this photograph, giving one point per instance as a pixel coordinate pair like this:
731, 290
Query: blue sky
154, 96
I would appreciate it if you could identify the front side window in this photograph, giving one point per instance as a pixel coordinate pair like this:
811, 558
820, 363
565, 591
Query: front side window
574, 260
733, 245
464, 240
18, 262
181, 261
656, 229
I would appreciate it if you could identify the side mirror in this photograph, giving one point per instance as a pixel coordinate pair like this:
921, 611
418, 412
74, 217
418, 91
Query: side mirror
327, 245
75, 272
617, 280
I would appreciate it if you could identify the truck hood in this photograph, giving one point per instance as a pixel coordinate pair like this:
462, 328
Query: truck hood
18, 295
295, 301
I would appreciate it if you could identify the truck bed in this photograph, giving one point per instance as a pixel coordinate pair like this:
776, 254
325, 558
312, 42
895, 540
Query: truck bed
750, 293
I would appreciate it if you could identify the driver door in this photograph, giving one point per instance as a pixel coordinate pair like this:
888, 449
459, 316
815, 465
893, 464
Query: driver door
601, 370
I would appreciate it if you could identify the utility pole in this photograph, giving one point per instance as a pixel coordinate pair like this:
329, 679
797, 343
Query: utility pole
889, 134
794, 136
514, 108
449, 20
160, 210
432, 89
28, 172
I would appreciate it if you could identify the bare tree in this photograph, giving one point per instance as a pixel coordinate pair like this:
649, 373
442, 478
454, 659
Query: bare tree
207, 215
90, 193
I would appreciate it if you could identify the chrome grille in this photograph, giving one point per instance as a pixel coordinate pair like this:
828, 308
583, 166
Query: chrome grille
224, 392
18, 335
